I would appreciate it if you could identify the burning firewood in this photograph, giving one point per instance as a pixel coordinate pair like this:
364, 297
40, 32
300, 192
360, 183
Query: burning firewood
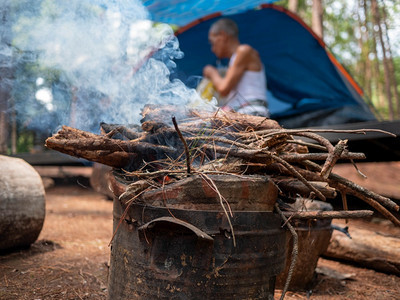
219, 143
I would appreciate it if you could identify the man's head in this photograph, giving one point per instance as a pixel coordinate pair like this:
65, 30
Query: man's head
221, 34
225, 25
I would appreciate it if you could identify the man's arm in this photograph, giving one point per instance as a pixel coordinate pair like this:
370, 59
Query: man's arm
234, 73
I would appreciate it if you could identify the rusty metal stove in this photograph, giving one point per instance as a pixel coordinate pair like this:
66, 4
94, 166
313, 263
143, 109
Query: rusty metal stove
174, 253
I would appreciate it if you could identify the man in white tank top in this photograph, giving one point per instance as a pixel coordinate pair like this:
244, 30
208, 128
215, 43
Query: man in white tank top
244, 84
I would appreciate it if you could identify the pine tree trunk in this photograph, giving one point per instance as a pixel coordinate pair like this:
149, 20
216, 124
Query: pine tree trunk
5, 75
317, 18
3, 121
13, 122
377, 22
395, 87
362, 64
375, 67
392, 71
293, 5
366, 51
73, 108
368, 76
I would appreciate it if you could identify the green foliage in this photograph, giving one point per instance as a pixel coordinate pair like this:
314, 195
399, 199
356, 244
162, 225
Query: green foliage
396, 61
383, 111
353, 44
283, 3
25, 141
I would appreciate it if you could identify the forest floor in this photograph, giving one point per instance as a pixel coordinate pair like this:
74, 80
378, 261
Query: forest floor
70, 259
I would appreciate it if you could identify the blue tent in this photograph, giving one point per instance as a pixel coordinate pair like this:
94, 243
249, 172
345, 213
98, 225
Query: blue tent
183, 12
307, 86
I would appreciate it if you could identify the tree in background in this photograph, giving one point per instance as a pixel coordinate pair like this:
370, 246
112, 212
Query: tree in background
358, 33
6, 78
317, 18
293, 5
391, 65
379, 76
378, 31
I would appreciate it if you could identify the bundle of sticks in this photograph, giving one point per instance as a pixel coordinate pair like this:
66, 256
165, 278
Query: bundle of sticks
175, 143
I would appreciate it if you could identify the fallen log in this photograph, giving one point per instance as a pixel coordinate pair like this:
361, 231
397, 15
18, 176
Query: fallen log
366, 248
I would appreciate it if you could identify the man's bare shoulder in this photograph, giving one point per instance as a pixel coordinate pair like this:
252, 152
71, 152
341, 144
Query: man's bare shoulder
245, 49
245, 53
249, 57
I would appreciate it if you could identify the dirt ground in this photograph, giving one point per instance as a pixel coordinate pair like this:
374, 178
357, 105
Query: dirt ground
70, 258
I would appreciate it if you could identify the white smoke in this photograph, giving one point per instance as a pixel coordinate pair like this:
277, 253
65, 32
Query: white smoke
108, 52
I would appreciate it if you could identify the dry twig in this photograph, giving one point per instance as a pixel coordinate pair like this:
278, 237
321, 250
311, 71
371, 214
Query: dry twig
184, 145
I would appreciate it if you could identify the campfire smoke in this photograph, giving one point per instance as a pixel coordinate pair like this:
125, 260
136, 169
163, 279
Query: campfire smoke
111, 60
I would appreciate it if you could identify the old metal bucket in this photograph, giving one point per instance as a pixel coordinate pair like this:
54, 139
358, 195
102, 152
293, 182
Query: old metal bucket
313, 240
170, 253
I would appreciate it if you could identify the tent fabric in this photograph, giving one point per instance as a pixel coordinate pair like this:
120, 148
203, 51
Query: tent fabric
325, 117
182, 12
